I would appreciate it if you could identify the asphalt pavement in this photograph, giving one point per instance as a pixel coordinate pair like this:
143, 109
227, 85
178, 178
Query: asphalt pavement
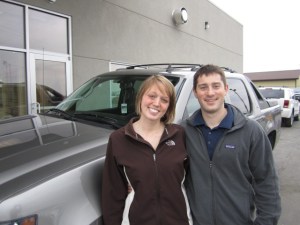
287, 159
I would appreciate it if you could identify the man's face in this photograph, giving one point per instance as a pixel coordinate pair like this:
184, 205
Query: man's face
210, 92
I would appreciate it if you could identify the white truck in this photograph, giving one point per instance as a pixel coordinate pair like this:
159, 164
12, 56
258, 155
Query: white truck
286, 98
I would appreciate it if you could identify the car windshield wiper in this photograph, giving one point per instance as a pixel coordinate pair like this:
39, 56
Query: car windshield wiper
98, 118
60, 113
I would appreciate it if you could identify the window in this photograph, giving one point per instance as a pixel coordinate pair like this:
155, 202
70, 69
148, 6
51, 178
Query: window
238, 95
13, 101
192, 105
47, 79
42, 28
12, 25
272, 93
50, 73
263, 104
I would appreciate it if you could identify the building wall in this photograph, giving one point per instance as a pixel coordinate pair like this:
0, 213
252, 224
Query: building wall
136, 31
278, 83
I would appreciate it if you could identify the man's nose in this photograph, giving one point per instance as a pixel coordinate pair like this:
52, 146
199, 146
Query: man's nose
210, 90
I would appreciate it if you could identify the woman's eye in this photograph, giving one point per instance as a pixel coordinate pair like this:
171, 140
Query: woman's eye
152, 96
164, 100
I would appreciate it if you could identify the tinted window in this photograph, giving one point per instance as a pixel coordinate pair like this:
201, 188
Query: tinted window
263, 104
192, 104
238, 95
272, 93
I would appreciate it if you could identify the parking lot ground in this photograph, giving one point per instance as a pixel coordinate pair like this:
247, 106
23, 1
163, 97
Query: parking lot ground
287, 159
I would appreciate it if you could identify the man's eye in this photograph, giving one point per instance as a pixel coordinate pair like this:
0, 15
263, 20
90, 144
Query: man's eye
202, 88
216, 86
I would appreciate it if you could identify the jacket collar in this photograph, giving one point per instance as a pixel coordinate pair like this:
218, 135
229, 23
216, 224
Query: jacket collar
169, 129
227, 121
239, 119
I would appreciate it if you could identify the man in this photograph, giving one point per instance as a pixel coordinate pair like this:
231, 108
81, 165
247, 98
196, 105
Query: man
232, 178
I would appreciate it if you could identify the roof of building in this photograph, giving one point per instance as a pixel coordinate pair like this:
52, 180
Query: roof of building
274, 75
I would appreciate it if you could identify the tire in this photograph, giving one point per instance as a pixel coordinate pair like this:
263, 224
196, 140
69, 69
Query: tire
289, 121
296, 118
272, 139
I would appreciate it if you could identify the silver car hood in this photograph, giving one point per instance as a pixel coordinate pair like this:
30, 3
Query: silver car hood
34, 148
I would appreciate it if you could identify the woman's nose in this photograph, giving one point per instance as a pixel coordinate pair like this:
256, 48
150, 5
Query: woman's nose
156, 101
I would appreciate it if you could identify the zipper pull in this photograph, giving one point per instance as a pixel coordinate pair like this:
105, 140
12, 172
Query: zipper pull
154, 157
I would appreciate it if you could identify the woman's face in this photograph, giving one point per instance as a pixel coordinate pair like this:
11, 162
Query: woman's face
155, 103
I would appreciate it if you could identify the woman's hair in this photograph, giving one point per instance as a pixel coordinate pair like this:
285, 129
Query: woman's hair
164, 85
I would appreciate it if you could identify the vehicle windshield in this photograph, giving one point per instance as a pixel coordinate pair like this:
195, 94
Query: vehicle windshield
272, 93
104, 99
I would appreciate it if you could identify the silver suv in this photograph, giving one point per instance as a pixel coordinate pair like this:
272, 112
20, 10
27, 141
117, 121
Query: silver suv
50, 164
286, 98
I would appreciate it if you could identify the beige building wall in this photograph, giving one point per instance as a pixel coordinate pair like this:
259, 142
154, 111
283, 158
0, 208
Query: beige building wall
298, 83
137, 32
278, 83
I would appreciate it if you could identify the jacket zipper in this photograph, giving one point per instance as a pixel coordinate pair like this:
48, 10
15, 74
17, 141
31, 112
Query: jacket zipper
157, 188
211, 165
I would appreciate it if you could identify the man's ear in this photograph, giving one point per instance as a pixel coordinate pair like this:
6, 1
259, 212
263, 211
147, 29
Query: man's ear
226, 88
195, 94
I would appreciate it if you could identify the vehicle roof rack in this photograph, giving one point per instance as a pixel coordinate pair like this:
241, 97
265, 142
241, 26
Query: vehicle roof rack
228, 69
169, 67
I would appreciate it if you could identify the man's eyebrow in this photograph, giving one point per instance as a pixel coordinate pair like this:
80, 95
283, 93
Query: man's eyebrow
202, 84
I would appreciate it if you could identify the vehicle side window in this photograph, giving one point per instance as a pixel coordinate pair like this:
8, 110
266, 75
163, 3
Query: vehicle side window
263, 104
192, 105
238, 95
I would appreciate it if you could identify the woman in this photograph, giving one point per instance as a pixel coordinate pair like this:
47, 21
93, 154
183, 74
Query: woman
149, 155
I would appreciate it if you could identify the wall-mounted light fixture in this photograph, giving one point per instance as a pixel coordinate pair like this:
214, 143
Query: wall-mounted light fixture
206, 25
180, 16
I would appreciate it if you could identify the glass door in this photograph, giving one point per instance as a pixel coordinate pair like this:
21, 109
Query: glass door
50, 81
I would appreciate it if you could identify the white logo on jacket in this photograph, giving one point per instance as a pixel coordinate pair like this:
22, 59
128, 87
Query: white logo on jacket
170, 143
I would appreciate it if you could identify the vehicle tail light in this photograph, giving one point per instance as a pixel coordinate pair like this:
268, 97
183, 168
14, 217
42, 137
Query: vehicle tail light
286, 103
29, 220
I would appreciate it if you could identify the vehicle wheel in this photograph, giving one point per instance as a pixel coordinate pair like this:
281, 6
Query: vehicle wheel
296, 118
289, 121
272, 139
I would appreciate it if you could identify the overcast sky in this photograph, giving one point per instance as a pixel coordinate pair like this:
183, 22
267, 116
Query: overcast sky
271, 32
